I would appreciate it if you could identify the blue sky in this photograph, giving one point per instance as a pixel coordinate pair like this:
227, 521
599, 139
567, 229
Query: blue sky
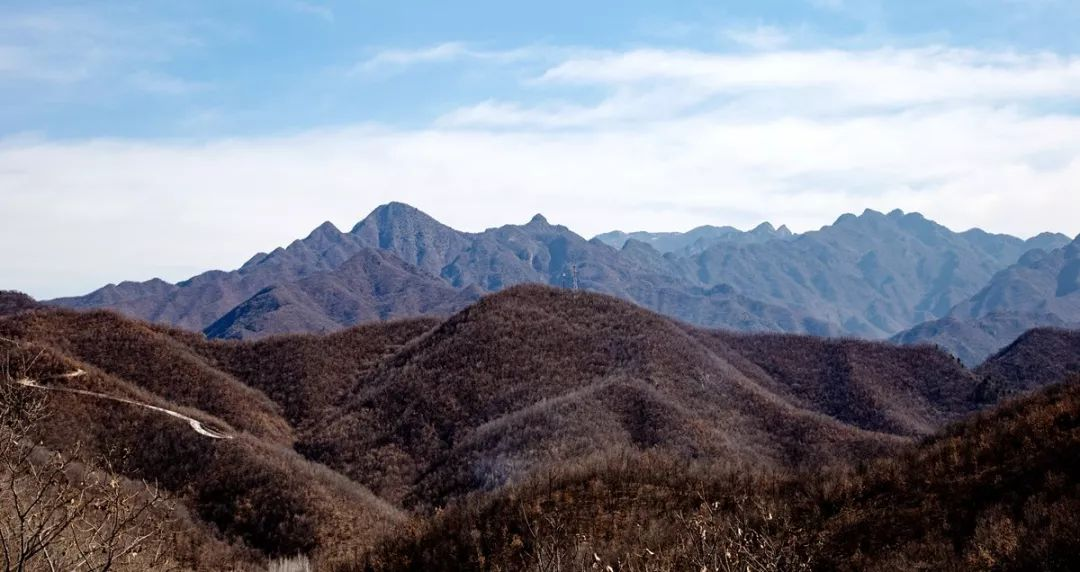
211, 130
227, 68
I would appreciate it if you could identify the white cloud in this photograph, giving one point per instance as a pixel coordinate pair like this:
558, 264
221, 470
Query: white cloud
848, 78
440, 53
311, 8
674, 140
400, 57
827, 4
623, 107
760, 37
651, 84
61, 46
164, 84
105, 210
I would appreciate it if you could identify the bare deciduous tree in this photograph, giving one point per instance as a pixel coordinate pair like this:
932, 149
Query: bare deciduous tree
59, 512
739, 535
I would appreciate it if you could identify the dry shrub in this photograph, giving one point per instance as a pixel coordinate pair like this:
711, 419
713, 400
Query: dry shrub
293, 564
62, 512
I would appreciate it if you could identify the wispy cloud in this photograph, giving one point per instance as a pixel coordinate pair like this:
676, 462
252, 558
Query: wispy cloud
877, 77
445, 52
760, 37
311, 8
655, 84
623, 107
164, 84
978, 166
397, 59
68, 45
591, 138
57, 46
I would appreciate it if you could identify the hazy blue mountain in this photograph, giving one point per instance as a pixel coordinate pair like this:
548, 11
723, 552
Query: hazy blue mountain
871, 275
318, 284
372, 285
697, 239
539, 252
1041, 289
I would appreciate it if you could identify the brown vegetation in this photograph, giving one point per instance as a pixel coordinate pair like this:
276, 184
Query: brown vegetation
1038, 358
12, 302
535, 376
307, 375
252, 489
542, 429
999, 492
71, 510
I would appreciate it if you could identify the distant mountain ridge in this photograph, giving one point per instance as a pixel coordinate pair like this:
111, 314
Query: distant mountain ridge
1041, 289
372, 285
697, 239
870, 275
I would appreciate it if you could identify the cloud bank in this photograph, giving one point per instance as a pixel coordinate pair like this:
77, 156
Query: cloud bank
657, 139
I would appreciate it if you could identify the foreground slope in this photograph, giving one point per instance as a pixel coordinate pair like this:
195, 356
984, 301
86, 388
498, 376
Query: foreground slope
866, 384
141, 396
308, 376
1038, 358
12, 302
996, 492
528, 399
534, 376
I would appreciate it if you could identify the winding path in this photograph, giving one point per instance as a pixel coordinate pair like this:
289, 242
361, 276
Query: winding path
195, 424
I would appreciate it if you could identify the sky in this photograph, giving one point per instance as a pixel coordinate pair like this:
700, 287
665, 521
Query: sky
143, 139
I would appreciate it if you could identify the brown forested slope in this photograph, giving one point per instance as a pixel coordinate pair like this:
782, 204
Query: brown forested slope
1037, 358
534, 376
148, 358
250, 488
308, 375
615, 415
997, 492
871, 385
12, 302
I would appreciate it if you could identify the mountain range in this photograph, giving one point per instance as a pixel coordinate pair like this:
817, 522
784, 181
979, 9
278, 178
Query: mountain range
1041, 289
873, 276
697, 239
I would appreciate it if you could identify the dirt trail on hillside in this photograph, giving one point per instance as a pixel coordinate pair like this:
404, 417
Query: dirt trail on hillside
195, 424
